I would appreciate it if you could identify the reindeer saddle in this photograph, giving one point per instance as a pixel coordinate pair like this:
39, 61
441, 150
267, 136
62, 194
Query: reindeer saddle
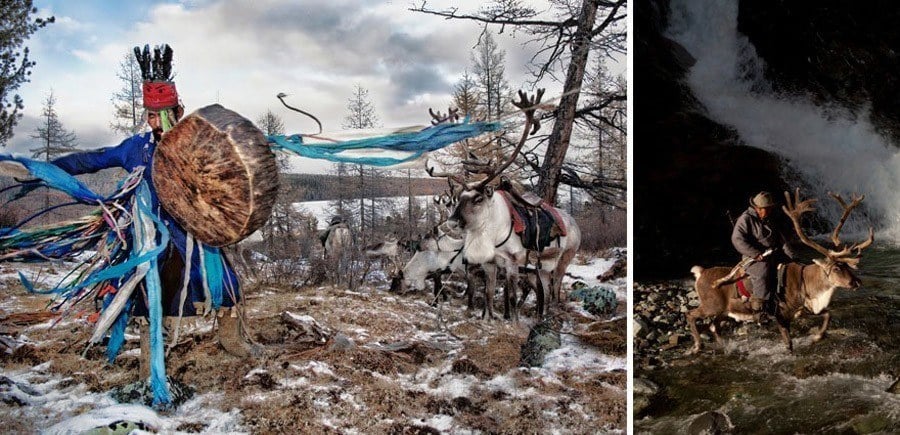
537, 226
743, 288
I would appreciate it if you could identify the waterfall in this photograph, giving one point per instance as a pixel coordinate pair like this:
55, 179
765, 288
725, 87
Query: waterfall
831, 147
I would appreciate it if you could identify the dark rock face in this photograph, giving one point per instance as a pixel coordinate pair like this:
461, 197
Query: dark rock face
690, 173
831, 51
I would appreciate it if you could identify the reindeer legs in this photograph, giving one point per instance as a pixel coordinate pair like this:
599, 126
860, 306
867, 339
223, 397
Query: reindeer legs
784, 325
544, 285
490, 284
510, 304
692, 317
826, 316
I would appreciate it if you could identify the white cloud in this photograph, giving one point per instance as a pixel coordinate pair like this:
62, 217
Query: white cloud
241, 54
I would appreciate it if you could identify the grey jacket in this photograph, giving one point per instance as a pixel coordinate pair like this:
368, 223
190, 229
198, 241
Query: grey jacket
753, 236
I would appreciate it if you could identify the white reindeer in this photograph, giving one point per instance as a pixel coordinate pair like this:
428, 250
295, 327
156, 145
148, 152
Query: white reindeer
490, 241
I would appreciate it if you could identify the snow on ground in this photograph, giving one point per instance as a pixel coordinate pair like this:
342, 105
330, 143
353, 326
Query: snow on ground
48, 397
404, 370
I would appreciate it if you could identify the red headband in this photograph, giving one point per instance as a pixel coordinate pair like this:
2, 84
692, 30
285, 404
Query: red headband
160, 95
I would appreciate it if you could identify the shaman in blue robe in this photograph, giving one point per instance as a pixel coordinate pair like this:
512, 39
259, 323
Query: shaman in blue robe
131, 153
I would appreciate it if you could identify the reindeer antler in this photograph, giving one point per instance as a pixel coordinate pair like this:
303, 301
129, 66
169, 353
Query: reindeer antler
440, 118
528, 106
450, 177
844, 255
795, 209
856, 200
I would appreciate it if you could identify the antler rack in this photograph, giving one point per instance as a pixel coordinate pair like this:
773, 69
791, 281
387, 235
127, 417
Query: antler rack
796, 208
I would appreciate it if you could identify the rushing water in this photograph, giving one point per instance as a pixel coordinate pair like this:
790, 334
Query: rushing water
835, 386
832, 148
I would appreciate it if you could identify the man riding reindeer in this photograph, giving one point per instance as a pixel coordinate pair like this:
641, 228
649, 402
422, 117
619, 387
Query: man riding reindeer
762, 237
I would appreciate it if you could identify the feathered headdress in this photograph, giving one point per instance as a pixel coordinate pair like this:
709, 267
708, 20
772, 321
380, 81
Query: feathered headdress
156, 71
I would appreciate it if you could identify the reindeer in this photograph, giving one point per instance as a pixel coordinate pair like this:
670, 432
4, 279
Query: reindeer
807, 287
436, 255
389, 250
488, 230
337, 241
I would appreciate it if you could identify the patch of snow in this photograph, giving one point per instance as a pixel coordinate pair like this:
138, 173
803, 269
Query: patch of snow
575, 357
292, 383
255, 371
74, 409
104, 416
316, 367
441, 422
502, 383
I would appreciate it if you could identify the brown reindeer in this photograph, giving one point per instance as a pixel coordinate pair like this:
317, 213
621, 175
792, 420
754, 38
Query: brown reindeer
807, 287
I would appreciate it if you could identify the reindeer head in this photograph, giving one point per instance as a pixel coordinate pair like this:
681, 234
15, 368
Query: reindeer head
474, 201
840, 262
838, 274
474, 206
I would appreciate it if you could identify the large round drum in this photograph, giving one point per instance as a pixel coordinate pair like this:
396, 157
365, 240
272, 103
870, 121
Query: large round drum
216, 175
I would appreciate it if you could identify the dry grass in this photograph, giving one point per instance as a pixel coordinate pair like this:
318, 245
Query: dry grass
403, 370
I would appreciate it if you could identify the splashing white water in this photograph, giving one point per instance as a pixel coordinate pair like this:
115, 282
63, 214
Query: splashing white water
833, 149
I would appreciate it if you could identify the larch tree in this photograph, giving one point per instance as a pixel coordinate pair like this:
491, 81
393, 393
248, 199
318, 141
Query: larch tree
53, 139
488, 63
465, 96
53, 136
127, 101
564, 37
17, 24
361, 115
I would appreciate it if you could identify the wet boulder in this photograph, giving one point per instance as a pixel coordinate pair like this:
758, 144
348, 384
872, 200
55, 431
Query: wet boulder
644, 393
710, 423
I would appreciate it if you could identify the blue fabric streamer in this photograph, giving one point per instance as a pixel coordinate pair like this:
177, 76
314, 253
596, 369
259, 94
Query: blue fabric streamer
420, 142
158, 384
56, 178
26, 283
215, 272
117, 331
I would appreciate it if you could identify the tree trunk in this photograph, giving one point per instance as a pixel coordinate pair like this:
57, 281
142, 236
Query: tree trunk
565, 116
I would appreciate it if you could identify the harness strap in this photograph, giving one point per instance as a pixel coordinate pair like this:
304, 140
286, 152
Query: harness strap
453, 258
507, 236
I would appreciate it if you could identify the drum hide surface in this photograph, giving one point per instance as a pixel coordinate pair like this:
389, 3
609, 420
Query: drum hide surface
216, 175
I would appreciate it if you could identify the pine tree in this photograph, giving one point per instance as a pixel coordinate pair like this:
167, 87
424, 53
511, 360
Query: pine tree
127, 110
16, 25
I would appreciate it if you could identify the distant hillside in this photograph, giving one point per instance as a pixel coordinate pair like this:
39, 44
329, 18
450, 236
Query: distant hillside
302, 187
317, 187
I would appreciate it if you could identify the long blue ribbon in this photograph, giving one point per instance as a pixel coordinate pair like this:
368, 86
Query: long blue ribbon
420, 142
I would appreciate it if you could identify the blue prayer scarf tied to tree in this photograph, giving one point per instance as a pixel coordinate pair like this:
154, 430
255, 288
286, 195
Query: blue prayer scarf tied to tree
127, 234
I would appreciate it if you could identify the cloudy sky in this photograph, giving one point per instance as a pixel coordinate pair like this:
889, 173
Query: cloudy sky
242, 53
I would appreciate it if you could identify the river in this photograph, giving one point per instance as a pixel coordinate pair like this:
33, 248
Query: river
835, 386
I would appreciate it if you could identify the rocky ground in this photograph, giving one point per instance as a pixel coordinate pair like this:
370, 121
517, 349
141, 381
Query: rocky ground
659, 319
751, 378
335, 361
